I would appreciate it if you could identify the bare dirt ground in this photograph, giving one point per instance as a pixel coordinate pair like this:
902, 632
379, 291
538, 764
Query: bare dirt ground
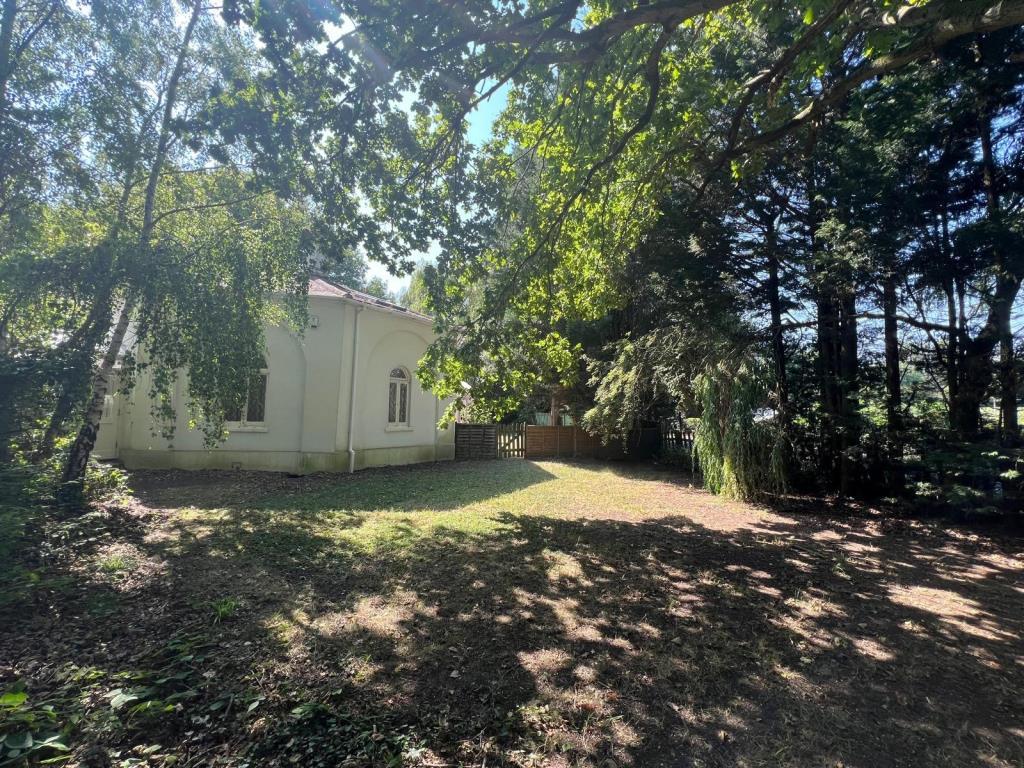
514, 613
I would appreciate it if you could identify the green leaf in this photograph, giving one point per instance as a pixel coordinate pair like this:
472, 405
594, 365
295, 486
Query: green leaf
53, 741
809, 15
13, 699
121, 697
19, 741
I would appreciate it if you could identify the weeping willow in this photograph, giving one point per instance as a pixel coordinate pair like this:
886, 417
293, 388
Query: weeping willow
740, 449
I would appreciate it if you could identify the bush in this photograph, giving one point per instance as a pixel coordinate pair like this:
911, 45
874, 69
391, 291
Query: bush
28, 483
680, 457
967, 479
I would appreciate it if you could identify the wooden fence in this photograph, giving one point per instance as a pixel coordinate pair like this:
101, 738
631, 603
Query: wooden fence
676, 434
529, 441
476, 441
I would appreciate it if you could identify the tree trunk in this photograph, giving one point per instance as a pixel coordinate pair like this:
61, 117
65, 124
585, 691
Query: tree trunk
893, 398
81, 345
78, 457
848, 394
1002, 308
1007, 377
778, 345
775, 310
828, 338
556, 405
10, 9
950, 287
952, 347
81, 348
976, 363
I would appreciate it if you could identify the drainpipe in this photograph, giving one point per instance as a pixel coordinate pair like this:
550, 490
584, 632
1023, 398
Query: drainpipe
352, 391
437, 416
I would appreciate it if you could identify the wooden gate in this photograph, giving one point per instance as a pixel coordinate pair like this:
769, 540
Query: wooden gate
511, 441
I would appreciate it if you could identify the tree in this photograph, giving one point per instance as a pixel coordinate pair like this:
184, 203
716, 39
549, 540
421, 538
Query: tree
170, 235
416, 295
376, 286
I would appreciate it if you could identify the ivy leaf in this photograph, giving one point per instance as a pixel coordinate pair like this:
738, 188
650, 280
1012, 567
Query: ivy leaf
19, 741
13, 699
120, 697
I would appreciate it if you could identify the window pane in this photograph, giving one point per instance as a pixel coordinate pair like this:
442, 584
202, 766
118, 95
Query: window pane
397, 373
391, 402
402, 418
233, 414
257, 398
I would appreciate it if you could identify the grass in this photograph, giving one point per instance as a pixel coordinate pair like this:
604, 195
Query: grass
391, 510
516, 613
116, 563
224, 608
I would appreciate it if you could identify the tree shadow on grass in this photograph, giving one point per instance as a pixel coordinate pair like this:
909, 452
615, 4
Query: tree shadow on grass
732, 636
660, 642
440, 486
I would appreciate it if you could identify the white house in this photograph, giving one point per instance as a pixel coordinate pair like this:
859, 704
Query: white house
341, 397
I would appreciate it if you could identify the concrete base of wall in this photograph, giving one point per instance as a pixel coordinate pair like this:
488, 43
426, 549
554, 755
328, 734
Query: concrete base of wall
285, 461
414, 454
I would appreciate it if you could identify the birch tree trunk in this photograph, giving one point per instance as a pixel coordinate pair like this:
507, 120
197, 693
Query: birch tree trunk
78, 457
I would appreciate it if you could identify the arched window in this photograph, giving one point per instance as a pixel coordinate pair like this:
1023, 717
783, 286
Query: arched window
398, 398
255, 410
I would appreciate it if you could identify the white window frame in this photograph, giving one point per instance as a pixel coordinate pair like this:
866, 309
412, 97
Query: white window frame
405, 380
244, 425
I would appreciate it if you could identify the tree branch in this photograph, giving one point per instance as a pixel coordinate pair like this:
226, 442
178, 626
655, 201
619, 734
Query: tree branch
1003, 14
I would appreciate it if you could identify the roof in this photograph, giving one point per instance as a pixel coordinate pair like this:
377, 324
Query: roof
321, 286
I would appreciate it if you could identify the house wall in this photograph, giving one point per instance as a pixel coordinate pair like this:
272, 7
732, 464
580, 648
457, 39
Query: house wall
388, 341
307, 403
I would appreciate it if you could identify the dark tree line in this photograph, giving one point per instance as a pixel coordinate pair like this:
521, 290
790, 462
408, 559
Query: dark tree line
874, 260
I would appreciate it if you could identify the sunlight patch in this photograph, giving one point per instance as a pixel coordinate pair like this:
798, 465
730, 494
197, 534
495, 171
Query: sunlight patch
545, 661
379, 615
872, 649
564, 566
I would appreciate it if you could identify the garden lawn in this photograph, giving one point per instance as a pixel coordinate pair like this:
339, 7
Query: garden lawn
506, 613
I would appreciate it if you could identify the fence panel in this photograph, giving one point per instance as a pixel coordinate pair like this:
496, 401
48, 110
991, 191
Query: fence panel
569, 442
476, 441
503, 441
549, 442
676, 434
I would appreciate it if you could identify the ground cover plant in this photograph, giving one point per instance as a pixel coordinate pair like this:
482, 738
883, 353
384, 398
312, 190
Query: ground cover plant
502, 613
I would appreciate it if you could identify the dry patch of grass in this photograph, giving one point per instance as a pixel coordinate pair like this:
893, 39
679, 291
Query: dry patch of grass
515, 613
